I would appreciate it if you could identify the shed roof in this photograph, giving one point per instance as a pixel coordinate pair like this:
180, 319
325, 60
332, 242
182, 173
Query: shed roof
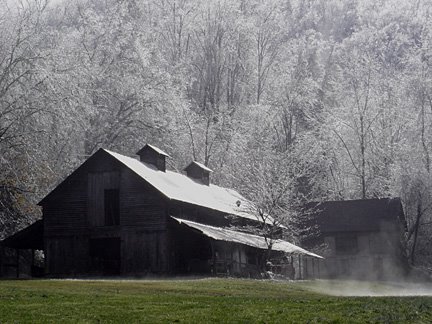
182, 188
356, 215
228, 235
30, 237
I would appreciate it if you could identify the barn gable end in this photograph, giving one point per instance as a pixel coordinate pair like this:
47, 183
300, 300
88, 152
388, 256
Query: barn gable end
104, 206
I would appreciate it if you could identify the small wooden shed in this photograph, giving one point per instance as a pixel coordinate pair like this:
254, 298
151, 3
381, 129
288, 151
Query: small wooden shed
361, 239
23, 243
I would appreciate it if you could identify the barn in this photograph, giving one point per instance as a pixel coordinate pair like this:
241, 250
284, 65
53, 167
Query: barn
360, 239
118, 215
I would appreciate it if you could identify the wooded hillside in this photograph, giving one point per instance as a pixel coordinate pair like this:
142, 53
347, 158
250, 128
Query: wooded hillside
287, 101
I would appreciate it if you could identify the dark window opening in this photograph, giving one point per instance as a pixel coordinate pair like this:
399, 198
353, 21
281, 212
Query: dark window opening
346, 244
112, 207
251, 256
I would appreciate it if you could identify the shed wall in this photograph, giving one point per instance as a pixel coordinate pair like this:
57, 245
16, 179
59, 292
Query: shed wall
378, 256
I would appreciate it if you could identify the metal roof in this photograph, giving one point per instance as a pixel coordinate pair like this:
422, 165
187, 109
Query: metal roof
180, 187
223, 234
356, 215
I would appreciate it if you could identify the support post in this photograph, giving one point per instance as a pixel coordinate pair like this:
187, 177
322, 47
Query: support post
313, 268
306, 267
32, 265
300, 267
17, 263
213, 257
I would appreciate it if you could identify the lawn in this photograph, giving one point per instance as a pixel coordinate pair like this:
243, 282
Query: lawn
201, 301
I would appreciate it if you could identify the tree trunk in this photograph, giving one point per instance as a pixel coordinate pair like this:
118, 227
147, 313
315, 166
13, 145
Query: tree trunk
416, 228
363, 158
423, 138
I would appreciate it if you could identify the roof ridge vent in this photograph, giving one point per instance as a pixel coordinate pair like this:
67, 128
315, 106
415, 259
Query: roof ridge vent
153, 155
198, 171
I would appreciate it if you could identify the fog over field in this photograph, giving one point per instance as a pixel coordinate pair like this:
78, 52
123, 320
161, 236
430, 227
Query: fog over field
375, 289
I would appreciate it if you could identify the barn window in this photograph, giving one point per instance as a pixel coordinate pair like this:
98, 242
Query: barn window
346, 244
112, 207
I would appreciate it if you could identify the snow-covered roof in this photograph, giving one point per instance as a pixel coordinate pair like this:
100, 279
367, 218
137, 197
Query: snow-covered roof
202, 166
180, 187
224, 234
158, 150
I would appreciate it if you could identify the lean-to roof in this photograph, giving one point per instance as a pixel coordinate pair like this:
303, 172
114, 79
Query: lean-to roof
228, 235
30, 237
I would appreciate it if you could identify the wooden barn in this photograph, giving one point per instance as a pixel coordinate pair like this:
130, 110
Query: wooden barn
361, 239
117, 215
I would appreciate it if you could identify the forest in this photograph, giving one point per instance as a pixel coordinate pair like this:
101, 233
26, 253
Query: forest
288, 101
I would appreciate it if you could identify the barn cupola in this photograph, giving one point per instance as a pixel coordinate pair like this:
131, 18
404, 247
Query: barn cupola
152, 155
199, 172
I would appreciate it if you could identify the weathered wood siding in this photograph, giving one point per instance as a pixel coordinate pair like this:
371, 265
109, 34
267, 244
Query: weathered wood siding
190, 251
66, 213
66, 255
97, 183
144, 224
144, 252
208, 216
140, 204
65, 222
378, 256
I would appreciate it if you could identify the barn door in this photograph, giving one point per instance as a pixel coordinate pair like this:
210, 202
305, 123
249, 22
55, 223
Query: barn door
105, 256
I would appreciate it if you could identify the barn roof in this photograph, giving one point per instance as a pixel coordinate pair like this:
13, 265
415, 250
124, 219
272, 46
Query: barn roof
177, 186
228, 235
356, 215
182, 188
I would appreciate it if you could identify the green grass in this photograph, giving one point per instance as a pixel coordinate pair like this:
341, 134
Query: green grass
199, 301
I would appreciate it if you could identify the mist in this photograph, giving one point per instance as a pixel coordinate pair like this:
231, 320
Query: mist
352, 288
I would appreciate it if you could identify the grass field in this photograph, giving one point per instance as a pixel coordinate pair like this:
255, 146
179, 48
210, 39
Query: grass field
203, 301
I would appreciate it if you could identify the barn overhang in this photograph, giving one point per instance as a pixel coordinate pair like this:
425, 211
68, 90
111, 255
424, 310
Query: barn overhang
228, 235
30, 238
